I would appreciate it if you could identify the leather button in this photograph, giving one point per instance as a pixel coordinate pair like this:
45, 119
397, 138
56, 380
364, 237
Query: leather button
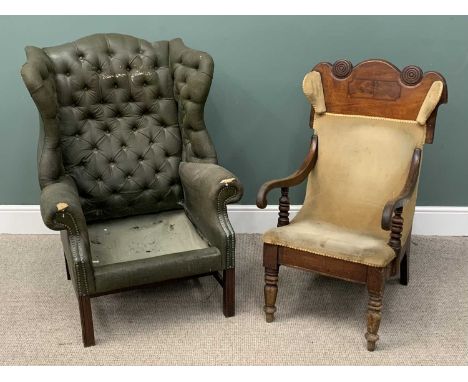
81, 57
129, 177
85, 88
134, 128
124, 147
67, 74
77, 135
95, 151
99, 71
128, 68
116, 86
99, 179
144, 84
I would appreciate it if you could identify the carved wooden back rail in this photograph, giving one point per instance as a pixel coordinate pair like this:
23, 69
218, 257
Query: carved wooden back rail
379, 89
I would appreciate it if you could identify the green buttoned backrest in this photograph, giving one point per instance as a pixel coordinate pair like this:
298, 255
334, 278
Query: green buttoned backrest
112, 109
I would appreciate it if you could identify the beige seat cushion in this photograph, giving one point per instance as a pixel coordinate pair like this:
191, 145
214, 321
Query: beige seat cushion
331, 240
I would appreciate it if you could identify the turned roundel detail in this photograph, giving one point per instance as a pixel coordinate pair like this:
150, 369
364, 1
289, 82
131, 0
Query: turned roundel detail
342, 68
411, 75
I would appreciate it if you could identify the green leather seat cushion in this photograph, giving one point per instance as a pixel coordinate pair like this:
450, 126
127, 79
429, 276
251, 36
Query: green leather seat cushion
145, 249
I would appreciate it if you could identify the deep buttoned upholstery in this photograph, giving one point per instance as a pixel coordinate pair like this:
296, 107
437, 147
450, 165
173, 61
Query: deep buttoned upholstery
118, 116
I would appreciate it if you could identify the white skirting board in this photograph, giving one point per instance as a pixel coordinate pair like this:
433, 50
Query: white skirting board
439, 221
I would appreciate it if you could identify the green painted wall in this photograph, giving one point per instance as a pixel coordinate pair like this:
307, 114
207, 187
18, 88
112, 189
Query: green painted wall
256, 113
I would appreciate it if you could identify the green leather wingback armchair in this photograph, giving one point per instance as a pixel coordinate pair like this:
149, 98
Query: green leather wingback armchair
127, 169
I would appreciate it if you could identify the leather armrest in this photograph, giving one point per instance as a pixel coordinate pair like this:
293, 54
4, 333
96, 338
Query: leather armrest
208, 188
292, 180
405, 194
61, 210
61, 207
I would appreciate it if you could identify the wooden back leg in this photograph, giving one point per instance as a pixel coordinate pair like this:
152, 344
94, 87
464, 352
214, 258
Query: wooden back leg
66, 267
404, 266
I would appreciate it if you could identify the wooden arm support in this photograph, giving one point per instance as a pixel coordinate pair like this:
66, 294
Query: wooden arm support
396, 205
292, 180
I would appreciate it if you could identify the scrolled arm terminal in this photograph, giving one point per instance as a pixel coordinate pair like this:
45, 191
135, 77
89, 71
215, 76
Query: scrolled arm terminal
292, 180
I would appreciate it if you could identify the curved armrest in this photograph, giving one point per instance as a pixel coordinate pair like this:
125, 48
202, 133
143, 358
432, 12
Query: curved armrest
61, 210
292, 180
208, 188
405, 194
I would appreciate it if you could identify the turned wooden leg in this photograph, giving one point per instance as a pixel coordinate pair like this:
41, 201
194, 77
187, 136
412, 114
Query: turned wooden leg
66, 267
271, 291
229, 292
404, 267
374, 316
375, 287
87, 328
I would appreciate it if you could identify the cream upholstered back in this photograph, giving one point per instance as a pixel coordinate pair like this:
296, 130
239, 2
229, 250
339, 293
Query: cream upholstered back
363, 162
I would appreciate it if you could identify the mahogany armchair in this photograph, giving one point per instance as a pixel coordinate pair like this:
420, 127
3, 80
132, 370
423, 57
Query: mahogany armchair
370, 124
127, 169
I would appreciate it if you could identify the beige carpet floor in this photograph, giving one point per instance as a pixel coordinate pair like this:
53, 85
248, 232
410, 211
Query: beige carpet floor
319, 320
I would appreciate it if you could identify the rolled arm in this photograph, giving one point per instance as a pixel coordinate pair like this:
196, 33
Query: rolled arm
60, 202
208, 188
61, 210
405, 195
292, 180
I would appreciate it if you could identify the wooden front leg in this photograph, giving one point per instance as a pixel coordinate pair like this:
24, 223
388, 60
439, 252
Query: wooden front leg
375, 287
229, 292
270, 262
87, 328
271, 291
